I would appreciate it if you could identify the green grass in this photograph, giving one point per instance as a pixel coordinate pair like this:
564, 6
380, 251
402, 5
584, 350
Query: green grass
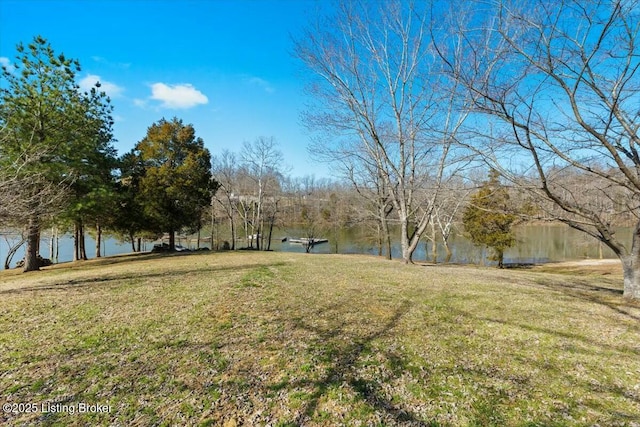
295, 339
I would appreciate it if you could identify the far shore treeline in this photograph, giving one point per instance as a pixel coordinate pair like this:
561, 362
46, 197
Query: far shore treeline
436, 121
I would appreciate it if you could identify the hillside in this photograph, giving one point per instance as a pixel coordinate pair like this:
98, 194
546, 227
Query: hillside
293, 339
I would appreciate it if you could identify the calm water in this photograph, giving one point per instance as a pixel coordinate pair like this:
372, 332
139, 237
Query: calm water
536, 244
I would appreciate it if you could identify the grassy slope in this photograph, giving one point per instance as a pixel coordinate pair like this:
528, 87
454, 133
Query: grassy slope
294, 339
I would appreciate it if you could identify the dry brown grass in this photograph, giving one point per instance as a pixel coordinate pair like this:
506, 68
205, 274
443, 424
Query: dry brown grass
603, 267
296, 339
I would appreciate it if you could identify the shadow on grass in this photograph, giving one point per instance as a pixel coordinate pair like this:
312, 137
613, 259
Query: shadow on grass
580, 286
107, 261
556, 333
601, 295
117, 279
122, 259
572, 344
341, 349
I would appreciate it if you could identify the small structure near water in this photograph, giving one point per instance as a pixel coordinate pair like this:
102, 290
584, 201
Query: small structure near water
307, 241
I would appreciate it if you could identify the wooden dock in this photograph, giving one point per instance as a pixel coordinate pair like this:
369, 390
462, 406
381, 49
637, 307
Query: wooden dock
307, 241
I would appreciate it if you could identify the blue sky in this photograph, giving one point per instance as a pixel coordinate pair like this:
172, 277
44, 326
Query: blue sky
223, 65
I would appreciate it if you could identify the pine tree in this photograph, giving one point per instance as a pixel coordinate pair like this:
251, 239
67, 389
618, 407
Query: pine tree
50, 131
129, 217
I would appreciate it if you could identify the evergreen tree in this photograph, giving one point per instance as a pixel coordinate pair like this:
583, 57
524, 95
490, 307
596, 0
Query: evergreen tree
129, 217
50, 133
177, 184
489, 217
94, 160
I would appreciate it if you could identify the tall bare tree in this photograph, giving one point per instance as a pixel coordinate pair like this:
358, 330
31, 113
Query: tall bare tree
263, 162
371, 186
446, 214
225, 171
21, 191
376, 103
557, 84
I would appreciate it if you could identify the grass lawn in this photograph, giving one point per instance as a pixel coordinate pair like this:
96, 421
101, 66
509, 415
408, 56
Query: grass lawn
284, 339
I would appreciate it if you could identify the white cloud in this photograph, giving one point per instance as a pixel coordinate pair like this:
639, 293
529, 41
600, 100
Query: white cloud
177, 96
111, 89
5, 62
262, 83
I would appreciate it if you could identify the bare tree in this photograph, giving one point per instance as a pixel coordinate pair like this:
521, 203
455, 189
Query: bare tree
28, 198
557, 83
371, 186
225, 171
14, 181
446, 213
263, 162
377, 104
13, 245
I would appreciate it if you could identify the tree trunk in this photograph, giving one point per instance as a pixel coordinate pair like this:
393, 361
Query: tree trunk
31, 252
600, 254
213, 225
213, 229
261, 237
139, 244
83, 247
232, 224
172, 240
272, 220
448, 252
631, 267
434, 244
79, 250
98, 239
385, 230
404, 242
631, 271
11, 252
404, 245
259, 220
55, 259
133, 242
381, 227
246, 228
408, 245
76, 241
51, 244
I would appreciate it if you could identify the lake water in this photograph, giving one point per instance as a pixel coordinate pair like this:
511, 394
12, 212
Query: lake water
535, 244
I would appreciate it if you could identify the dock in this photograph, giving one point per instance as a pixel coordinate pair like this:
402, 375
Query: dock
307, 241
